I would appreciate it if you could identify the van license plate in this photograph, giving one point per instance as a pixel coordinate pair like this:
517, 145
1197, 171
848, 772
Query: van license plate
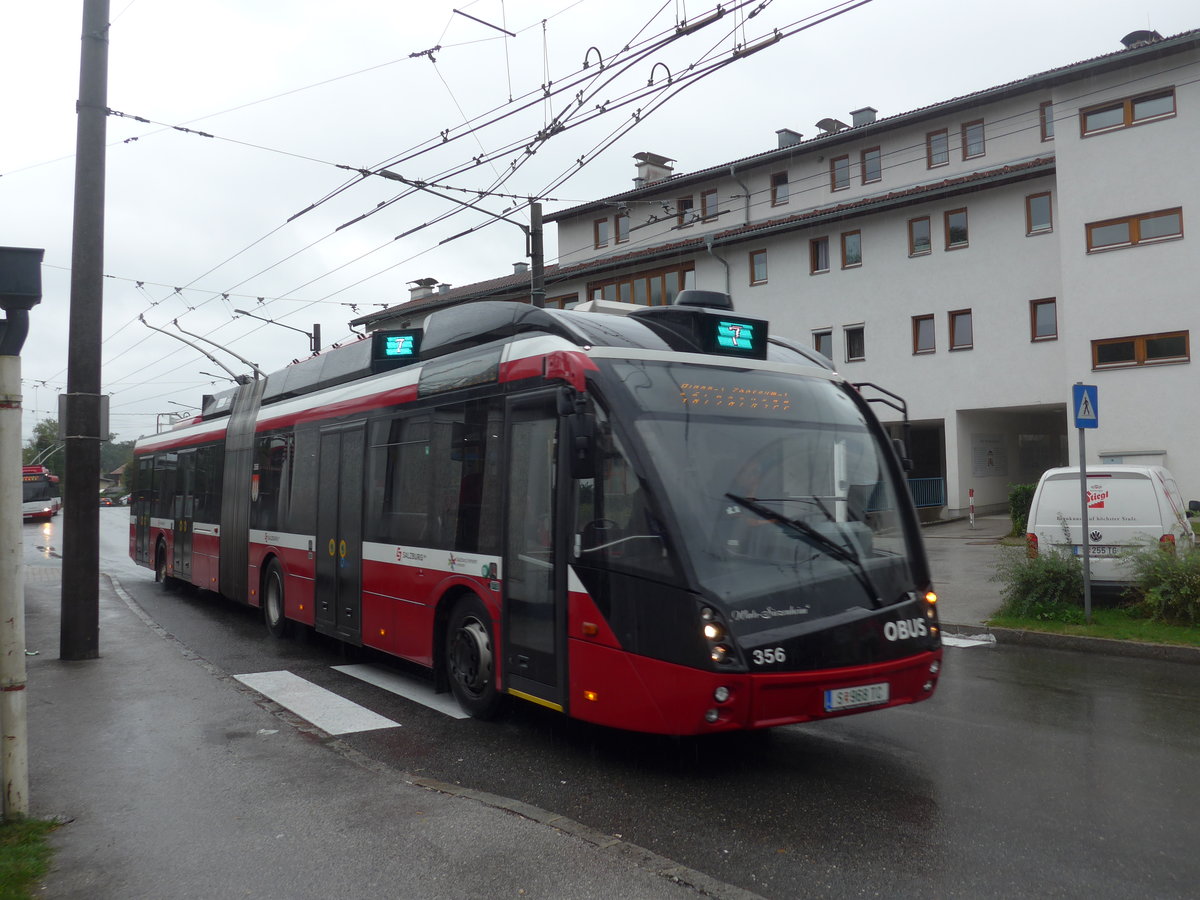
1099, 550
862, 695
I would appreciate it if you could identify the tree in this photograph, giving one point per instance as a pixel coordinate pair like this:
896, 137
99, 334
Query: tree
43, 444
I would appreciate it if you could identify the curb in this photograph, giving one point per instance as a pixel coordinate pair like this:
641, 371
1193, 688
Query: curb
1131, 649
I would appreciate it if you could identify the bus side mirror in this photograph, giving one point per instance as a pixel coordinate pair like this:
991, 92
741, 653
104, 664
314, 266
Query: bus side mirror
902, 454
581, 444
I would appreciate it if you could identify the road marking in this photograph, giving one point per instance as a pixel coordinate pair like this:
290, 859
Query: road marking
408, 688
325, 709
969, 640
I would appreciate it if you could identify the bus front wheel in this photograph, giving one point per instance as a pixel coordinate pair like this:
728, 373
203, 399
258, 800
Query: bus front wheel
469, 658
272, 601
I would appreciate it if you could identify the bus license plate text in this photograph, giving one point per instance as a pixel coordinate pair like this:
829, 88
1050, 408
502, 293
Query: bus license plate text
850, 697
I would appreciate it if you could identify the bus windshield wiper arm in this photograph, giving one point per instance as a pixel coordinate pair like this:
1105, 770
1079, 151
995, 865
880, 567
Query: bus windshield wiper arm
834, 549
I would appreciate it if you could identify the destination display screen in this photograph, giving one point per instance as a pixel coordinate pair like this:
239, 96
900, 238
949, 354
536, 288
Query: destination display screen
729, 336
395, 348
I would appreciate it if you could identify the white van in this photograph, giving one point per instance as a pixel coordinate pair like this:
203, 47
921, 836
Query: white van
1127, 506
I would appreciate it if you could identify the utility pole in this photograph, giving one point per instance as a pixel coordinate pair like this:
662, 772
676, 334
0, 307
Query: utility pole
537, 287
79, 630
20, 290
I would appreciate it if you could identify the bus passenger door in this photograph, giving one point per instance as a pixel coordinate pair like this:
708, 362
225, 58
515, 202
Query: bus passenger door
184, 508
535, 610
339, 532
143, 505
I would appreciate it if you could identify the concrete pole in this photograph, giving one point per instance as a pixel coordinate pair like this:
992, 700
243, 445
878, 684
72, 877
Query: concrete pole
537, 292
79, 629
14, 753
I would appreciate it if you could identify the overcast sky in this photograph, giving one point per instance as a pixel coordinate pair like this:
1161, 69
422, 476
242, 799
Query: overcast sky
298, 95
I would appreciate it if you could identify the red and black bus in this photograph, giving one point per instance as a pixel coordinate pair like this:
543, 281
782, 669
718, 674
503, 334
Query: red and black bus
40, 496
667, 521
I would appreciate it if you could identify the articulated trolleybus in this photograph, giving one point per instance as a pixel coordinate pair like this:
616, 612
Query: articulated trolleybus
664, 521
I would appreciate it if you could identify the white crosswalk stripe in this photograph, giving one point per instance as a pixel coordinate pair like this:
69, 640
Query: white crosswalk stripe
325, 709
409, 688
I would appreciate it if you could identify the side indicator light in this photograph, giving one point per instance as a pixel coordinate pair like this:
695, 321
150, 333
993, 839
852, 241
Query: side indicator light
931, 597
590, 629
591, 695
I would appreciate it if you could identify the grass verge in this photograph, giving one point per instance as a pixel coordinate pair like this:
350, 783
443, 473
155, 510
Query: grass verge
24, 857
1118, 624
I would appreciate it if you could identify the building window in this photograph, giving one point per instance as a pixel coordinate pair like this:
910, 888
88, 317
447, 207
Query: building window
1128, 112
839, 173
684, 214
622, 221
1046, 117
657, 287
937, 148
919, 241
851, 249
972, 139
1043, 320
923, 339
818, 255
566, 301
758, 266
872, 165
956, 229
600, 233
1038, 217
823, 343
856, 343
1142, 350
1145, 228
779, 188
962, 332
708, 205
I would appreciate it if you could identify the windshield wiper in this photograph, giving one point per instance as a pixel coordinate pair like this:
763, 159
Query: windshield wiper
831, 547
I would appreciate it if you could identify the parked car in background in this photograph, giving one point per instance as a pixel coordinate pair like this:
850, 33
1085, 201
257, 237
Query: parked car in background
1127, 506
106, 501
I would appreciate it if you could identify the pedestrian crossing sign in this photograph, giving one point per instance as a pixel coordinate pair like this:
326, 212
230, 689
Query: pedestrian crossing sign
1084, 401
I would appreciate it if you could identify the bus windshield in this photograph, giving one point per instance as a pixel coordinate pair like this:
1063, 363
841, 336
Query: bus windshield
779, 486
36, 491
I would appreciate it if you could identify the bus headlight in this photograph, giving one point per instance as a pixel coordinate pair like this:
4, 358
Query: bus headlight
720, 653
713, 631
721, 694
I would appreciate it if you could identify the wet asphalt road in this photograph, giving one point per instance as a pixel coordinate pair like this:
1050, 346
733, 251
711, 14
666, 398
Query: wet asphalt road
1031, 772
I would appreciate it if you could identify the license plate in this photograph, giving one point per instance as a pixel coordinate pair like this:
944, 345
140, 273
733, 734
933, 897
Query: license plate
861, 695
1099, 550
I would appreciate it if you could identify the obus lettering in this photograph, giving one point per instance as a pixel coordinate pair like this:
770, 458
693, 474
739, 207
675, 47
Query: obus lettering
905, 629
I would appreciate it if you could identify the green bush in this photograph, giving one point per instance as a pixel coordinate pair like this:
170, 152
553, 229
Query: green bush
1048, 587
1020, 498
1167, 584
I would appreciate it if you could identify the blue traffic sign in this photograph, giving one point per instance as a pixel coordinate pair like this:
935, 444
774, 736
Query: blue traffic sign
1085, 402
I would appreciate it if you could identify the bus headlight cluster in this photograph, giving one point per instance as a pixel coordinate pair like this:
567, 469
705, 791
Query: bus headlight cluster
716, 635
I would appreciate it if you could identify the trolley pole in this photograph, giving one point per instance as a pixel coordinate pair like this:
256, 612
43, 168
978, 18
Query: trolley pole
79, 629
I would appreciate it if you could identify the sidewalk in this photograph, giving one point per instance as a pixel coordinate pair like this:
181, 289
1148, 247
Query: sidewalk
176, 783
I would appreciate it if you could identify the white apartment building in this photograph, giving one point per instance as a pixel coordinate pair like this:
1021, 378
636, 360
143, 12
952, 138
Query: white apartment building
977, 256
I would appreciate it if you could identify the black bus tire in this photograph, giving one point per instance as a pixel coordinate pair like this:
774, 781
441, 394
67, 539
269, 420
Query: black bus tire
272, 601
160, 567
470, 660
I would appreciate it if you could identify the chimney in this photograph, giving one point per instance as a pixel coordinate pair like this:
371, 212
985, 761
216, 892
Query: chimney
521, 268
832, 126
1137, 39
651, 167
788, 138
864, 116
421, 288
443, 288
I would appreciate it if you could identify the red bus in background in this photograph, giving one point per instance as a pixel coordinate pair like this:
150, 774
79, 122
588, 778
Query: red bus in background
40, 496
667, 521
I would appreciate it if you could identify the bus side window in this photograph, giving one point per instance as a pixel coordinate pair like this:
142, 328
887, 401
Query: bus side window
614, 524
399, 478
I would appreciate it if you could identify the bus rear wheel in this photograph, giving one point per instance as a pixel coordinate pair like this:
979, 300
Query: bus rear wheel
160, 567
272, 601
469, 658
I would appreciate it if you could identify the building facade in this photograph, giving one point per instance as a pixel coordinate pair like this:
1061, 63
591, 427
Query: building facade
978, 257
